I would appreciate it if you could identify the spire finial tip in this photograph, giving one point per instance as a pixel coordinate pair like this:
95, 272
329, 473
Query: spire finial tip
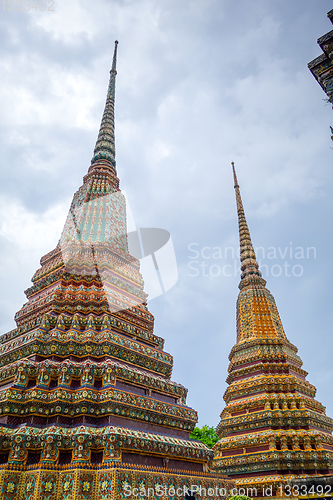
235, 176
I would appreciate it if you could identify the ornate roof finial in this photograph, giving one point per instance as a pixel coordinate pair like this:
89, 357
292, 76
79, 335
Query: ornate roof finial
105, 151
249, 265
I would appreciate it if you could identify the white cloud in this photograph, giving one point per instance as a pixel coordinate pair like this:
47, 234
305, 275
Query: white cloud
25, 229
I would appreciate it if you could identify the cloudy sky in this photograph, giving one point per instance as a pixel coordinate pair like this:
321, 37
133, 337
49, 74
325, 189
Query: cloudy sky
200, 83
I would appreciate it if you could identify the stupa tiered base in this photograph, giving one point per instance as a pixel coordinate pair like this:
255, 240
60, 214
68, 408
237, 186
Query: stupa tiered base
111, 481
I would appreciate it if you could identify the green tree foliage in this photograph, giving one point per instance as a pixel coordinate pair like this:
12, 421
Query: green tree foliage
206, 435
240, 497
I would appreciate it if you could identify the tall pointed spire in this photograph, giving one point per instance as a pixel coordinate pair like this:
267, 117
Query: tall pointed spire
105, 151
249, 264
271, 428
85, 385
257, 314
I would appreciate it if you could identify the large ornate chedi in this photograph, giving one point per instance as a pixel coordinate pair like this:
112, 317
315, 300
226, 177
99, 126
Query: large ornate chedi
272, 428
87, 407
322, 66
